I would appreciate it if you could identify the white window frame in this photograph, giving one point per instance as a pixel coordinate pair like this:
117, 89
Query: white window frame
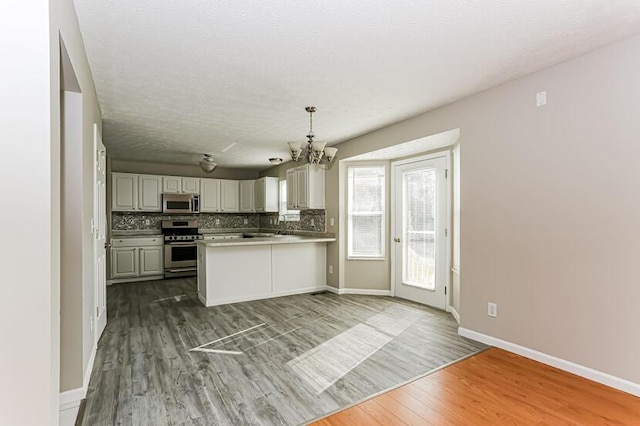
283, 212
383, 213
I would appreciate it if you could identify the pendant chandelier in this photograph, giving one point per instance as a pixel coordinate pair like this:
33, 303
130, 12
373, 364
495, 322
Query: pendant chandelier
207, 164
316, 152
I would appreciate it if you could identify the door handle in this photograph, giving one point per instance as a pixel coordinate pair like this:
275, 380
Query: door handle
107, 245
396, 239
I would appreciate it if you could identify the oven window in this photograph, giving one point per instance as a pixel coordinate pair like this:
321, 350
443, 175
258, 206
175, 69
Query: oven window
183, 253
178, 205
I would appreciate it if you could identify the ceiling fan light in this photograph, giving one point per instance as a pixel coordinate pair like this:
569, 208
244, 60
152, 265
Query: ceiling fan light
275, 161
207, 164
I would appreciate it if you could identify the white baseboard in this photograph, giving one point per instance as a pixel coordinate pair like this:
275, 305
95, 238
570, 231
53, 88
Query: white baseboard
455, 313
361, 291
365, 292
70, 400
577, 369
333, 290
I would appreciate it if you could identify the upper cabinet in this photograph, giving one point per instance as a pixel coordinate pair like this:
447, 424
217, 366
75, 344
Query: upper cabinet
305, 187
150, 193
190, 185
131, 192
247, 196
124, 192
266, 195
181, 185
210, 195
229, 196
219, 196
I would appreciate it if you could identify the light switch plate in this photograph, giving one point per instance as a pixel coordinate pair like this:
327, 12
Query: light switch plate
541, 98
492, 309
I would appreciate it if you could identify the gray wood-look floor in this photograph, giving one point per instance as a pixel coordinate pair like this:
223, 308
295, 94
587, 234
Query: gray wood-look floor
302, 357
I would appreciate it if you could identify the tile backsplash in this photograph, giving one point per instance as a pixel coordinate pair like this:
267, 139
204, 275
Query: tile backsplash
141, 221
307, 217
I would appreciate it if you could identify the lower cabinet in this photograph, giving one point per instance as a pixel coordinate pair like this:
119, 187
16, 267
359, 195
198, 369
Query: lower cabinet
136, 258
124, 262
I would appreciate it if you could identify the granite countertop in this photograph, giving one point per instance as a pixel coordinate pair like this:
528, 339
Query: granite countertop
280, 239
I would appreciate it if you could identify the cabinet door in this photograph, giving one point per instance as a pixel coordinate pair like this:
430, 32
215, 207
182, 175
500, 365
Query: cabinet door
150, 193
151, 261
191, 185
292, 190
229, 196
124, 262
247, 195
259, 201
302, 190
172, 184
209, 195
272, 194
124, 192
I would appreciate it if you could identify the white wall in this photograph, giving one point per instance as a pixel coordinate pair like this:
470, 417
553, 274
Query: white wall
29, 189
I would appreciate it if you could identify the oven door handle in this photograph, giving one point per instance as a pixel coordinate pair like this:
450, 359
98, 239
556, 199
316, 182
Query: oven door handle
186, 243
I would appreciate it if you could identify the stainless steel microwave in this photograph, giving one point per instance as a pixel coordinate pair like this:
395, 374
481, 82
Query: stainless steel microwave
180, 203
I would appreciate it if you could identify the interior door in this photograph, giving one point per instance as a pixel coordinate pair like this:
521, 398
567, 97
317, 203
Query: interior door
420, 240
100, 233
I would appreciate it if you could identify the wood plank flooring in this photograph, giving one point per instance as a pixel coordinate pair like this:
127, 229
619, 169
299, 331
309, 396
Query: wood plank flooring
495, 387
164, 359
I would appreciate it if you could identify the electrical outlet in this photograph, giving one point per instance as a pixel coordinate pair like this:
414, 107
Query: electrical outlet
313, 222
332, 222
492, 309
147, 221
541, 98
246, 221
331, 269
217, 221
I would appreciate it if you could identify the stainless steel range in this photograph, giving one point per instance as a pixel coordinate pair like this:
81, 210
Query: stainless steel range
180, 250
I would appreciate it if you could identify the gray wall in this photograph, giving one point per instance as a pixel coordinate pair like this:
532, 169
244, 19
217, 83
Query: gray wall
194, 170
549, 217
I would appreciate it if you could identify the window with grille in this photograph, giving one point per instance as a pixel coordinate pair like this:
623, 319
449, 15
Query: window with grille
366, 208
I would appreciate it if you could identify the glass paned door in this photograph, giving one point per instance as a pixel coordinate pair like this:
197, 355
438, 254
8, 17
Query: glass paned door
419, 266
420, 240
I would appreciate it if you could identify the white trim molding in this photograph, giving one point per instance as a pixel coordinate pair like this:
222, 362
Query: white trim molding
453, 312
571, 367
361, 291
70, 400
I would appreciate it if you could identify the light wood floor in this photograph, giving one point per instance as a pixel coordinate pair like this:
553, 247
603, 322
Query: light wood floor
495, 388
282, 361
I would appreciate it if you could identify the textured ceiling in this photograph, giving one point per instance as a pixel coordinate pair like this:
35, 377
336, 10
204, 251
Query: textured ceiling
176, 79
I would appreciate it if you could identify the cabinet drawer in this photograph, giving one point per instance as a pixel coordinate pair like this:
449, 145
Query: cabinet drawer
136, 242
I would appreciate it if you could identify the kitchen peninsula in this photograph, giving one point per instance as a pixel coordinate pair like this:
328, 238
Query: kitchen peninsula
239, 270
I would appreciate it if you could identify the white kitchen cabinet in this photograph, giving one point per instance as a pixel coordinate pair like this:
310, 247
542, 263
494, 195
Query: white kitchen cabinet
124, 192
172, 184
149, 193
124, 262
136, 258
292, 190
266, 191
209, 195
190, 185
181, 185
151, 261
305, 187
229, 196
247, 196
